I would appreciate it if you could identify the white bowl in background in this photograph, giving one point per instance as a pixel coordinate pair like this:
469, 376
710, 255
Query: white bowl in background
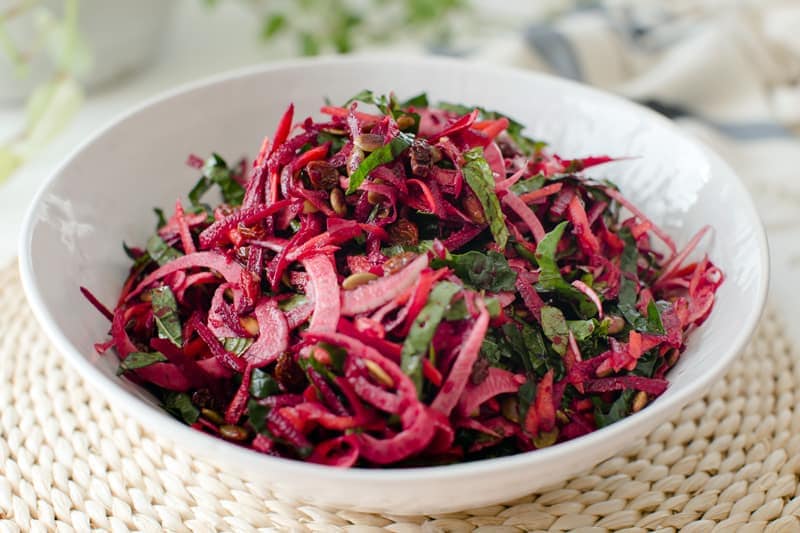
103, 194
122, 36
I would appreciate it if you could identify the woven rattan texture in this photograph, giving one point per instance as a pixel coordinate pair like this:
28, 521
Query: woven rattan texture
68, 461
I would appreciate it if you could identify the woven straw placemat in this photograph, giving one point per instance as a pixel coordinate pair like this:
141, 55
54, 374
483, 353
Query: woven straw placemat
69, 461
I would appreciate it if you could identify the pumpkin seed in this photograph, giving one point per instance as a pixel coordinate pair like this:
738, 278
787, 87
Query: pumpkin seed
250, 324
378, 373
639, 401
232, 432
369, 142
546, 438
337, 202
212, 416
358, 279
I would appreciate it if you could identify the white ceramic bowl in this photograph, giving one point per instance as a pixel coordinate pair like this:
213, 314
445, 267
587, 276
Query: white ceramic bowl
104, 194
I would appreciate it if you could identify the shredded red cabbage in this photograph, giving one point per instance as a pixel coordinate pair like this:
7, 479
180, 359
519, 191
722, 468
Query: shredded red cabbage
415, 286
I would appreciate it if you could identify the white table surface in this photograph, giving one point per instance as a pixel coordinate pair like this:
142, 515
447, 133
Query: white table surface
229, 34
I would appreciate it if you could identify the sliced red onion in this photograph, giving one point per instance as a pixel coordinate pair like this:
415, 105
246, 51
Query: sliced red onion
324, 292
273, 335
377, 293
229, 269
498, 381
524, 212
417, 432
454, 385
591, 294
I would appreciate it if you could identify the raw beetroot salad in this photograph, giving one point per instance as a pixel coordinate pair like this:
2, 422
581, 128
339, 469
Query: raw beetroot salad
406, 285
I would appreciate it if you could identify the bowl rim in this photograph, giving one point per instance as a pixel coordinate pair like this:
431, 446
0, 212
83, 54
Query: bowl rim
165, 425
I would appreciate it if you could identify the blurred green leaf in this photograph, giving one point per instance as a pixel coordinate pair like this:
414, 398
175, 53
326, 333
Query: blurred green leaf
50, 108
14, 54
309, 44
68, 51
273, 24
342, 25
9, 162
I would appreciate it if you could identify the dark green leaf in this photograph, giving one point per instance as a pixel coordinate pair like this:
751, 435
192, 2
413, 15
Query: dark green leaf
179, 405
526, 254
385, 154
479, 177
337, 141
138, 262
165, 312
458, 310
550, 275
419, 338
526, 341
628, 296
217, 171
494, 351
550, 279
527, 395
262, 384
528, 185
582, 329
129, 251
527, 145
626, 301
555, 328
161, 219
199, 189
481, 271
654, 324
382, 102
618, 410
647, 364
160, 252
424, 246
514, 340
493, 307
418, 101
257, 416
236, 345
460, 109
137, 360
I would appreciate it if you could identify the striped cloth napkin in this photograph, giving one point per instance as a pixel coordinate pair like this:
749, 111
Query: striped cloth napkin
729, 71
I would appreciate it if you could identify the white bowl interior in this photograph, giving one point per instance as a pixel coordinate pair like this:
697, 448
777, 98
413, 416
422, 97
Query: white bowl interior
105, 193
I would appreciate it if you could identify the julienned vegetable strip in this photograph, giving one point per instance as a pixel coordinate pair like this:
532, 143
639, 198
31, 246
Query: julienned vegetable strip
417, 286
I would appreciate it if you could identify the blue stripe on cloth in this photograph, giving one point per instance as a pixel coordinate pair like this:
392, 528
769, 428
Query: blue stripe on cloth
751, 131
556, 49
446, 50
741, 131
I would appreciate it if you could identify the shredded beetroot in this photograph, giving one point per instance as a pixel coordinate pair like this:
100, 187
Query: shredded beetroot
409, 287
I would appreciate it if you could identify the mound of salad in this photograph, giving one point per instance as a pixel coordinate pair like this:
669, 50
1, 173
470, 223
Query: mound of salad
401, 284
